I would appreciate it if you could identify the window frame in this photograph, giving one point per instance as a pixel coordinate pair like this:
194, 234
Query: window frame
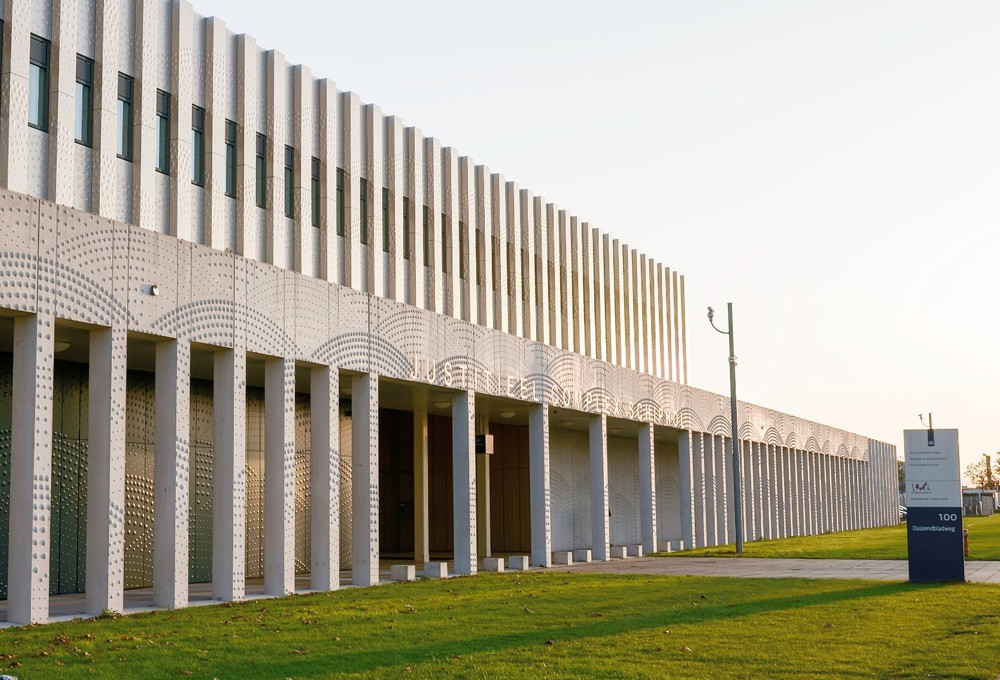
289, 182
197, 145
316, 169
341, 206
163, 103
260, 168
39, 64
230, 133
125, 118
83, 122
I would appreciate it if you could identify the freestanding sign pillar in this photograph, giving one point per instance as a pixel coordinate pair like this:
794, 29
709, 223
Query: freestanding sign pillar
934, 499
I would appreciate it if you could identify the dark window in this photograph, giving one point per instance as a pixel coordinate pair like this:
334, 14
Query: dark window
340, 202
314, 192
198, 145
479, 258
462, 259
406, 228
444, 243
124, 132
38, 84
364, 211
231, 158
84, 132
289, 182
427, 236
385, 220
261, 171
163, 131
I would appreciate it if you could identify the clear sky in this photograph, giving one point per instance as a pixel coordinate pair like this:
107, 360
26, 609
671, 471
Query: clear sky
832, 168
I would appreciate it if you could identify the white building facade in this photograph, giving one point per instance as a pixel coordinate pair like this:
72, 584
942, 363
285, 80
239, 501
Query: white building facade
250, 327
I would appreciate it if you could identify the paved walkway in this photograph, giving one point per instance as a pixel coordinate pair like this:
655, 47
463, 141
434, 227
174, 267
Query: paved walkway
767, 567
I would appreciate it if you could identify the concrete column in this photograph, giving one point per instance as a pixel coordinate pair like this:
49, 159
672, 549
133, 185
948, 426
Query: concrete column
731, 499
463, 449
30, 470
483, 493
647, 487
421, 527
364, 479
711, 490
723, 487
279, 476
686, 483
171, 474
700, 487
106, 471
750, 481
599, 523
541, 500
229, 455
324, 477
773, 486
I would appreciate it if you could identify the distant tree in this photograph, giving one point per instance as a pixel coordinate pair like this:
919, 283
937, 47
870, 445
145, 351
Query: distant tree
901, 474
982, 474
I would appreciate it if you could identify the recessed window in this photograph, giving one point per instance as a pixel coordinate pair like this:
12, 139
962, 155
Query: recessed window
289, 182
198, 145
444, 243
364, 211
163, 131
406, 228
261, 171
462, 260
84, 130
124, 127
314, 191
385, 220
341, 208
479, 258
38, 84
231, 159
427, 236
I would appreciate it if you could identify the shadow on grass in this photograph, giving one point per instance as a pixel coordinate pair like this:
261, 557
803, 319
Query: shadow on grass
369, 661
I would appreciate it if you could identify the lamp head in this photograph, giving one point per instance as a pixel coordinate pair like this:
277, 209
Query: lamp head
711, 313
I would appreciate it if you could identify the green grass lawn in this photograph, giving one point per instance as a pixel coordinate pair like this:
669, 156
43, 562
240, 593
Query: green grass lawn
886, 543
543, 624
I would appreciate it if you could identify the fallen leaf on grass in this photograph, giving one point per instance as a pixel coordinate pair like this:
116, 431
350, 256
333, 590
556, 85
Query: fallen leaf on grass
529, 611
685, 649
302, 651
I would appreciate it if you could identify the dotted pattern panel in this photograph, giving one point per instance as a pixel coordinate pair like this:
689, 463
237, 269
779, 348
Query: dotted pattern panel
668, 496
570, 489
18, 251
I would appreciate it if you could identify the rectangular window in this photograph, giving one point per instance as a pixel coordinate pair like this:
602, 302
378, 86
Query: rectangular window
84, 133
406, 228
463, 272
198, 145
314, 192
261, 171
162, 131
38, 84
364, 211
231, 159
444, 243
385, 220
479, 258
124, 132
289, 182
427, 236
340, 202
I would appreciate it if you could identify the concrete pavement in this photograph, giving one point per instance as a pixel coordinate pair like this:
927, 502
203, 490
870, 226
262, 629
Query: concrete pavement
766, 567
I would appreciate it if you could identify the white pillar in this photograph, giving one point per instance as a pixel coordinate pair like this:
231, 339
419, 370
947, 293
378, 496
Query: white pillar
279, 476
106, 471
723, 490
687, 492
751, 481
324, 477
364, 479
463, 442
30, 470
171, 474
647, 488
229, 455
484, 539
599, 524
421, 526
700, 539
711, 490
541, 499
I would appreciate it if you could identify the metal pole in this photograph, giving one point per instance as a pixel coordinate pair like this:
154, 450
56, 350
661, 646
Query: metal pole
737, 503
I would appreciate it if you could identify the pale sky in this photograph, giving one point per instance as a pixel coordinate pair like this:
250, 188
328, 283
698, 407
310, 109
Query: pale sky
832, 168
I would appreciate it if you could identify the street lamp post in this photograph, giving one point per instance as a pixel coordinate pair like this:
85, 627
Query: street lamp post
737, 505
